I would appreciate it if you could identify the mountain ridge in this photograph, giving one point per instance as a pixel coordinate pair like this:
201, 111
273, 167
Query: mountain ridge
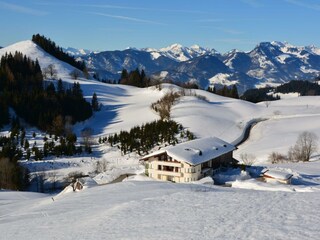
269, 63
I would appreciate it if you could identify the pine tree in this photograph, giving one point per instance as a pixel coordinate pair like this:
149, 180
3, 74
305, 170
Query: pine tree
60, 88
94, 102
50, 47
4, 112
124, 76
26, 144
234, 92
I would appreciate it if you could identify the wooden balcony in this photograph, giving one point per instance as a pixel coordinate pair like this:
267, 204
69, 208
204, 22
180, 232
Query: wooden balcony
168, 173
170, 164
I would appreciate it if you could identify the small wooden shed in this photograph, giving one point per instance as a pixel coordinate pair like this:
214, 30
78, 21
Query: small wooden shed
276, 176
77, 185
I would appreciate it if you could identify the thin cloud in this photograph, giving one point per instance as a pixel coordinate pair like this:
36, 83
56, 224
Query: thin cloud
131, 19
119, 7
139, 8
21, 9
304, 4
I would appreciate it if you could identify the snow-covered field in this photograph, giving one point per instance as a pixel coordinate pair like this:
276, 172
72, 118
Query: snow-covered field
286, 119
158, 210
147, 209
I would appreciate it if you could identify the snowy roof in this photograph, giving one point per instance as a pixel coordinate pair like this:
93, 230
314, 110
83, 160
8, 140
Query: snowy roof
277, 174
196, 151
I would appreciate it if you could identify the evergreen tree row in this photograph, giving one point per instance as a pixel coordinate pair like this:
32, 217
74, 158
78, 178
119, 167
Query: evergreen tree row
134, 78
225, 91
17, 146
142, 139
304, 88
12, 175
50, 47
259, 95
19, 73
4, 112
48, 108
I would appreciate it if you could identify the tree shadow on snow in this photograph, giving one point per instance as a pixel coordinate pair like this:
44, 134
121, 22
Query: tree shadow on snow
302, 180
101, 119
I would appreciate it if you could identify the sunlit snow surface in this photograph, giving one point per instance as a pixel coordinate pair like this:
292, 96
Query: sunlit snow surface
141, 208
157, 210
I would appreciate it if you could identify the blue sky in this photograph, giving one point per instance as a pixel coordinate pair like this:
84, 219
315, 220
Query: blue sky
117, 24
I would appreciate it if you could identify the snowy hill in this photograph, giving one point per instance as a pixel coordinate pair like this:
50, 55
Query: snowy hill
124, 107
287, 118
33, 51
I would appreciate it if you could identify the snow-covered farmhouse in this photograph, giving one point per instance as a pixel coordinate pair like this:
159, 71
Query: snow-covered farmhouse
189, 161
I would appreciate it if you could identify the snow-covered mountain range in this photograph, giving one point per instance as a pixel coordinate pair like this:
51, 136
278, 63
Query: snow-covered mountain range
180, 53
78, 52
268, 63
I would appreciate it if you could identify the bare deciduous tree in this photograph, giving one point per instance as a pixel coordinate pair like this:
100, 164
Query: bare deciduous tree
73, 176
75, 74
276, 157
6, 174
50, 72
101, 166
86, 135
247, 159
305, 146
58, 125
164, 105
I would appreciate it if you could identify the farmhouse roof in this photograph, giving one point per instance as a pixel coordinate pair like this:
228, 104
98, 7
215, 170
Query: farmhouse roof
196, 151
